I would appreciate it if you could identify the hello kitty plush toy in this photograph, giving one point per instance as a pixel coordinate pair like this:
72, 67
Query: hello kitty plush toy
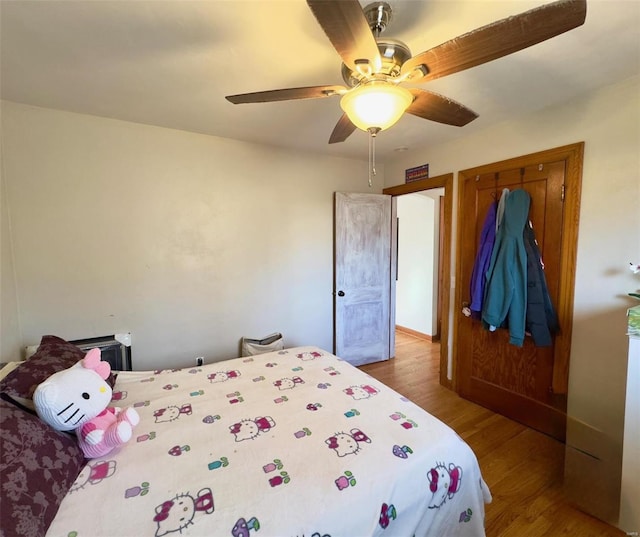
78, 398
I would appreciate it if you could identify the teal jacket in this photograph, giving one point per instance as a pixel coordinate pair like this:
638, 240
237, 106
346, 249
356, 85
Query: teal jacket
505, 297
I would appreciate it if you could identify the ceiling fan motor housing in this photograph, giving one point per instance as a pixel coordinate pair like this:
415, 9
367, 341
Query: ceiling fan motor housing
393, 54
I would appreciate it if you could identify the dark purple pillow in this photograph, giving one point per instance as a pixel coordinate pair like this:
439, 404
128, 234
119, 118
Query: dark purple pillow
54, 354
38, 466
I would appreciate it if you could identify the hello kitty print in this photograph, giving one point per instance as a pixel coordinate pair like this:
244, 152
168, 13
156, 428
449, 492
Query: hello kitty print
245, 447
179, 512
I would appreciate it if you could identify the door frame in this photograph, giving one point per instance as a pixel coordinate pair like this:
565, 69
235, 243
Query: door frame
442, 181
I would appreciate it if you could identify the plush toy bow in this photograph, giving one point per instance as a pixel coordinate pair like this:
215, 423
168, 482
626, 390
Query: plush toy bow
93, 361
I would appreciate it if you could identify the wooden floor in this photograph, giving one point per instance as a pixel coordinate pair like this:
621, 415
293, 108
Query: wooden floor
522, 467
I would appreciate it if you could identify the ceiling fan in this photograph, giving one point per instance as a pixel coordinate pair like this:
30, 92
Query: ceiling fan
375, 68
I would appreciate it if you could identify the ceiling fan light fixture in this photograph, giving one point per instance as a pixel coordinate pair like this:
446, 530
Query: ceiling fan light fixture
376, 105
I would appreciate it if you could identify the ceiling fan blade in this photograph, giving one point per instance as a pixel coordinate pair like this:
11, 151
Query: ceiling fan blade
434, 107
347, 28
311, 92
499, 39
343, 129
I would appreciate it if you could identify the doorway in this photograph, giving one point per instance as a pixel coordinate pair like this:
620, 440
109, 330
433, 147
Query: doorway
444, 182
418, 278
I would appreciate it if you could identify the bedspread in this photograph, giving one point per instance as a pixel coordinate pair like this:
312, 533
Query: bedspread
290, 443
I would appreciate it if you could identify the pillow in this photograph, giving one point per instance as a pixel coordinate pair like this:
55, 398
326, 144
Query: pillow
8, 368
54, 354
37, 468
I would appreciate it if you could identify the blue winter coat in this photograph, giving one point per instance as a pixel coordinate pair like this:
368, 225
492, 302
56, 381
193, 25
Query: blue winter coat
506, 286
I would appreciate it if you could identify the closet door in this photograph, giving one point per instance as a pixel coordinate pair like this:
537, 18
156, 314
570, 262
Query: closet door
528, 383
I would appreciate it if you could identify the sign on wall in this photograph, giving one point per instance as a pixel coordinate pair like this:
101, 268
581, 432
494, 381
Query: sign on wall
417, 173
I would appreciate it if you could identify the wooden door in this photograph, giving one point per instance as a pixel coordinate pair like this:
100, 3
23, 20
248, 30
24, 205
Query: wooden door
528, 383
362, 278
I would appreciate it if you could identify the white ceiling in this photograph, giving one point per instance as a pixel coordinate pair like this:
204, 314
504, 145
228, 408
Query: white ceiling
171, 63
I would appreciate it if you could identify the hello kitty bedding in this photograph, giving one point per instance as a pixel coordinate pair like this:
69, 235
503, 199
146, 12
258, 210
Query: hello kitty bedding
290, 443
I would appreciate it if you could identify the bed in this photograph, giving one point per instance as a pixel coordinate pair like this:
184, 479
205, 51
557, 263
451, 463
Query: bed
289, 443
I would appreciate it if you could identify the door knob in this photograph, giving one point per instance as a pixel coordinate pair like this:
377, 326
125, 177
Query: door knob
340, 293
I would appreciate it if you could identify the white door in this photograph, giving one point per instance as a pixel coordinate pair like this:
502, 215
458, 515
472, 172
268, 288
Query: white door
362, 279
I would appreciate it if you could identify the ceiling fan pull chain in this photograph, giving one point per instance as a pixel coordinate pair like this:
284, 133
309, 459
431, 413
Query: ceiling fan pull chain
372, 156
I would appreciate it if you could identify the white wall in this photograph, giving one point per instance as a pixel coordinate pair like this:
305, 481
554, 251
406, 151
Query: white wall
188, 241
416, 288
9, 328
609, 238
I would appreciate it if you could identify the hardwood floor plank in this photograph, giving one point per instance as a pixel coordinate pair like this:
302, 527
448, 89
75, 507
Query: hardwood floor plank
523, 468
